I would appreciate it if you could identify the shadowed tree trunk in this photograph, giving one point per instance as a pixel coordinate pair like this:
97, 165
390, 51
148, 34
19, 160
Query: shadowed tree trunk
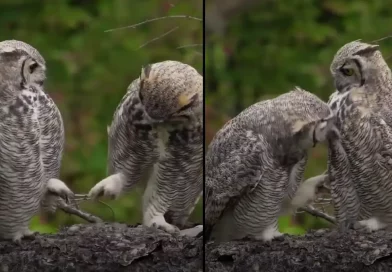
322, 250
103, 247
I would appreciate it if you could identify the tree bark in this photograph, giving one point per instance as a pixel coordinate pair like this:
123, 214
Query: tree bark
322, 250
103, 247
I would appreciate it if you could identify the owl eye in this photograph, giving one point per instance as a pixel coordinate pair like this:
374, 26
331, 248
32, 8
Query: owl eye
32, 67
347, 71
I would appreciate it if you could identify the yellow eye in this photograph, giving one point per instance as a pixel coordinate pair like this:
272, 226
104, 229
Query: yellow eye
347, 71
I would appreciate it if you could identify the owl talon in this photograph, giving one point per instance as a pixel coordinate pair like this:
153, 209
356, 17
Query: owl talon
58, 187
110, 187
27, 234
192, 232
161, 224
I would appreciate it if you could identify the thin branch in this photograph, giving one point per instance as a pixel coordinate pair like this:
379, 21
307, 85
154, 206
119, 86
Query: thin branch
159, 37
155, 19
312, 211
381, 39
190, 45
84, 215
84, 197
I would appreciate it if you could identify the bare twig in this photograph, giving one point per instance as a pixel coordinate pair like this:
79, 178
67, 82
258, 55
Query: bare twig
312, 211
84, 197
190, 45
159, 37
155, 19
381, 39
75, 211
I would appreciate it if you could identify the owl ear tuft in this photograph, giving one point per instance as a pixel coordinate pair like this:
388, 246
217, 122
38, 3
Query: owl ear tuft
144, 74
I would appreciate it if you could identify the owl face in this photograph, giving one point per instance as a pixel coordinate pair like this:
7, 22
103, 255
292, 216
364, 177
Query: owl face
21, 64
18, 70
356, 64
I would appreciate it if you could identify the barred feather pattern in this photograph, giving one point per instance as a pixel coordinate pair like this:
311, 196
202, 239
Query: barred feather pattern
356, 162
254, 163
31, 139
52, 139
359, 162
166, 157
22, 175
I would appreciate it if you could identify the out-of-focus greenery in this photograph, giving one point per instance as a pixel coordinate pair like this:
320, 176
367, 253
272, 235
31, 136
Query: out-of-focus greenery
280, 44
89, 71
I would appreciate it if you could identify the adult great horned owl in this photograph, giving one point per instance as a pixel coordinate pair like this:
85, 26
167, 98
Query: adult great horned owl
157, 137
256, 161
31, 141
358, 165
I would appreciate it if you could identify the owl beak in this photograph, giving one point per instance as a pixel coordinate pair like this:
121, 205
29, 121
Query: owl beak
183, 100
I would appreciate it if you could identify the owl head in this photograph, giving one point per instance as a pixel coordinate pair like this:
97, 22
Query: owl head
356, 64
21, 65
171, 91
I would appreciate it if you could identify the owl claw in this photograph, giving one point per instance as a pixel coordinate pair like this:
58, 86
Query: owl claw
192, 232
110, 187
28, 234
58, 187
166, 227
159, 222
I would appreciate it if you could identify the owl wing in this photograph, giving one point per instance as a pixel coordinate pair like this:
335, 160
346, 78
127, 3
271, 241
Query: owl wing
131, 149
228, 180
52, 135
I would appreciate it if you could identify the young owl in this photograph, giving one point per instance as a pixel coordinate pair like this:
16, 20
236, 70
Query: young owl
256, 162
156, 138
31, 141
359, 162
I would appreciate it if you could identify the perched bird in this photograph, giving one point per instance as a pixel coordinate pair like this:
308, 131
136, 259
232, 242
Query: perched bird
31, 141
359, 162
156, 138
255, 163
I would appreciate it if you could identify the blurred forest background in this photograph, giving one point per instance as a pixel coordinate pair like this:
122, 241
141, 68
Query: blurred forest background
89, 71
256, 50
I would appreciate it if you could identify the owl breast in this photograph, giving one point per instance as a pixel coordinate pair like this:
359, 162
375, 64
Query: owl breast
22, 181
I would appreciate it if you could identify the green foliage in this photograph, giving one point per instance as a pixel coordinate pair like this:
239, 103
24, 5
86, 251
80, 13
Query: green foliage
89, 71
280, 44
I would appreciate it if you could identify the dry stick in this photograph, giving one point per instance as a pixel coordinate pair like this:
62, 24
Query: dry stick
312, 211
154, 19
190, 45
381, 39
86, 216
84, 197
159, 37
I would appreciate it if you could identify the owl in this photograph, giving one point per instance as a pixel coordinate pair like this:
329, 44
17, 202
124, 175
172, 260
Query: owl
156, 139
359, 162
31, 141
255, 164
